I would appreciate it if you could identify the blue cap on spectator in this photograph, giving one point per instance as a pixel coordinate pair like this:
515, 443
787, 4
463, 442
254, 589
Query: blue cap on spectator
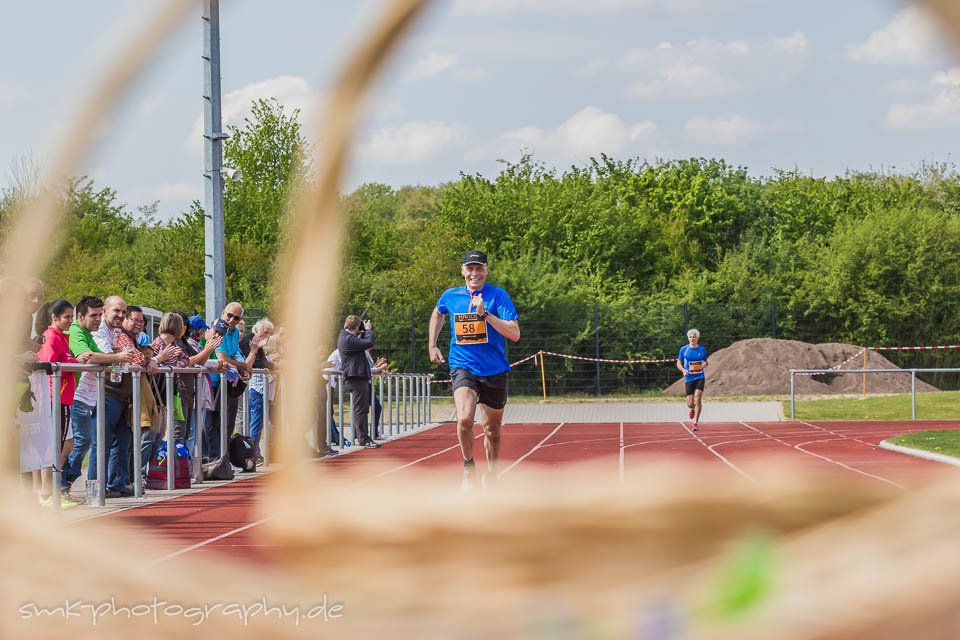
196, 322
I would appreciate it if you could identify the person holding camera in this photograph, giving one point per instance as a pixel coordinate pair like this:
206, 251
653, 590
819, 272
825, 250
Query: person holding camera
352, 344
230, 357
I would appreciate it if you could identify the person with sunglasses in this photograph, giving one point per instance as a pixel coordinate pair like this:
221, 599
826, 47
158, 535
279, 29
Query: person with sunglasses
230, 356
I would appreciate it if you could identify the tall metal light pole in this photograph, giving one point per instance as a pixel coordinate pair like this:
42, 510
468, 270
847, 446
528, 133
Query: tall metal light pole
214, 262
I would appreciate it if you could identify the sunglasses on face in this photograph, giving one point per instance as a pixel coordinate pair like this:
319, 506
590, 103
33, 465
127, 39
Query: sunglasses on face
232, 316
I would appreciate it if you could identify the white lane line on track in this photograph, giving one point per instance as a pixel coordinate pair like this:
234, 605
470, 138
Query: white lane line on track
529, 453
410, 464
837, 434
621, 453
659, 441
739, 441
198, 545
227, 534
588, 440
799, 447
722, 458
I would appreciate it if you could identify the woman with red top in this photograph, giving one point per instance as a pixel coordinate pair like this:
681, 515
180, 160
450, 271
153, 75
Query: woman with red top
55, 348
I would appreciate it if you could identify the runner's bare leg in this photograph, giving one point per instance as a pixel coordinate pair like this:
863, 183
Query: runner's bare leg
491, 420
466, 401
698, 404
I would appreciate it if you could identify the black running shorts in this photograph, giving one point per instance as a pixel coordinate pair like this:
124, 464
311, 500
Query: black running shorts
491, 390
695, 384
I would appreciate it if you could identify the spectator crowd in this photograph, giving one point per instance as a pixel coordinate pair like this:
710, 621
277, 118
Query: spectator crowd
109, 332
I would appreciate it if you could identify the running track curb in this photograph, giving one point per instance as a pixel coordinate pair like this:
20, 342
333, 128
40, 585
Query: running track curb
920, 453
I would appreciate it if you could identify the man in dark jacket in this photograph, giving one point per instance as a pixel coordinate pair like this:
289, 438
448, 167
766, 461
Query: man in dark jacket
353, 343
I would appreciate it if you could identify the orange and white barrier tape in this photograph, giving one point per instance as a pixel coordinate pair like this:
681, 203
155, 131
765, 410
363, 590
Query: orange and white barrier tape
588, 359
533, 356
837, 367
924, 348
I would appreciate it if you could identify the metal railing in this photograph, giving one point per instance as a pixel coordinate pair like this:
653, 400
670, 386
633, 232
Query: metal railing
405, 407
136, 373
913, 382
405, 403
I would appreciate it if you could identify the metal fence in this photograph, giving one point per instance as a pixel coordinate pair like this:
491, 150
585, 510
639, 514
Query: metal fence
399, 404
617, 332
405, 400
913, 373
629, 332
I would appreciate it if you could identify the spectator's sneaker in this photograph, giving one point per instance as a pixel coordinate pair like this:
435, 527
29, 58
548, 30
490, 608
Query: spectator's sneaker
69, 497
259, 461
47, 503
372, 444
691, 414
469, 481
112, 494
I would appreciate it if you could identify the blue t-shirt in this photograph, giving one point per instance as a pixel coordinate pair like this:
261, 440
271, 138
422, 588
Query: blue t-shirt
230, 345
690, 358
474, 344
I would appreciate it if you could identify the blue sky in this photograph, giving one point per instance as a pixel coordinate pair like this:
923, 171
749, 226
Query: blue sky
768, 84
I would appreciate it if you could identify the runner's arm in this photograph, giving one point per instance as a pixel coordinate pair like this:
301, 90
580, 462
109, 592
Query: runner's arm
509, 329
436, 325
680, 365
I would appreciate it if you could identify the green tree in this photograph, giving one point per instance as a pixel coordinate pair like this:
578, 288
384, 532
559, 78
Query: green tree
271, 153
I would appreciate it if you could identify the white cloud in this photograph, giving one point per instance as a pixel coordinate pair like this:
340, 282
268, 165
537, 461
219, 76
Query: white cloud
704, 68
796, 42
494, 7
910, 38
518, 44
293, 92
433, 64
684, 78
164, 192
726, 130
589, 132
410, 143
940, 111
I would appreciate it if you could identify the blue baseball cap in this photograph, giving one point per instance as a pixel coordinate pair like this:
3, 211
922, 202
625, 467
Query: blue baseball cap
196, 322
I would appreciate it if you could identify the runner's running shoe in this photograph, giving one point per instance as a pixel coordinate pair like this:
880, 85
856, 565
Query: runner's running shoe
691, 414
469, 481
489, 480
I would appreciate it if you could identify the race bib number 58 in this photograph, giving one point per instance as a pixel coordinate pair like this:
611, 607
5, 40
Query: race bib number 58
468, 328
696, 367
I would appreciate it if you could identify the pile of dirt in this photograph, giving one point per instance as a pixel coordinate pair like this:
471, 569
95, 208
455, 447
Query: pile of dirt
761, 366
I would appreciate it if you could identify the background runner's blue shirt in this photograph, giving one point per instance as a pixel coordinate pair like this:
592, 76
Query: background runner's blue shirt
487, 359
687, 355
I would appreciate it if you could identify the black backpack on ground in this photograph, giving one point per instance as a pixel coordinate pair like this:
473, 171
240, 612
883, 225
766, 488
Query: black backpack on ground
243, 453
218, 469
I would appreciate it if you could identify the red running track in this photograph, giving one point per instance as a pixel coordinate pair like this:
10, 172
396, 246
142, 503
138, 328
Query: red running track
220, 520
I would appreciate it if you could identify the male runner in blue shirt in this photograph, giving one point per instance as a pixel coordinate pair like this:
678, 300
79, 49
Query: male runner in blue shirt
481, 317
691, 361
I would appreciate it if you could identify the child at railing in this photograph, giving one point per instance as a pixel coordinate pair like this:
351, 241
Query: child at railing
53, 321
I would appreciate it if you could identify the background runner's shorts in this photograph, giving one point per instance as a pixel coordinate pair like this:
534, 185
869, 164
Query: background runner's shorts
492, 390
695, 384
